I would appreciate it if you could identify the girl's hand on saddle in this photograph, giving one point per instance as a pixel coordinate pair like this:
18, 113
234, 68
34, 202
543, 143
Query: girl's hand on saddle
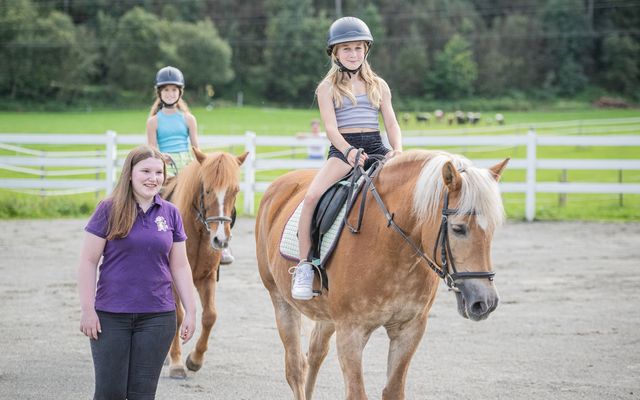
187, 328
90, 324
351, 158
393, 153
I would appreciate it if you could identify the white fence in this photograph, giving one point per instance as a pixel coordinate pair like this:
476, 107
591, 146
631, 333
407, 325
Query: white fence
104, 163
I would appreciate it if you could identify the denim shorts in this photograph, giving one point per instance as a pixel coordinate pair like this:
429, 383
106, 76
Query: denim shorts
371, 142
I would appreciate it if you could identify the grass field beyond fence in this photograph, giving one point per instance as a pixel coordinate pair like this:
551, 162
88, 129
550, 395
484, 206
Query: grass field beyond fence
288, 122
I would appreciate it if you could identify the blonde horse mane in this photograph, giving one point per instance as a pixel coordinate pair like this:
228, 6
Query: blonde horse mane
479, 192
218, 171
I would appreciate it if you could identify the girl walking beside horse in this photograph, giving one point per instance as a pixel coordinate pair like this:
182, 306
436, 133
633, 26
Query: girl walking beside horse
171, 127
350, 97
130, 312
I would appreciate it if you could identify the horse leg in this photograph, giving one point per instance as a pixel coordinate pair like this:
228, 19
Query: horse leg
350, 340
404, 340
176, 368
318, 350
207, 291
289, 323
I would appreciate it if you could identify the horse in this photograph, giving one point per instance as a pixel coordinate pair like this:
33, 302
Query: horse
205, 193
383, 275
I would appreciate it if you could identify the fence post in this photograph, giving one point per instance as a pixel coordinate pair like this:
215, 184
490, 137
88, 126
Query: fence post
562, 197
530, 202
620, 195
250, 173
111, 157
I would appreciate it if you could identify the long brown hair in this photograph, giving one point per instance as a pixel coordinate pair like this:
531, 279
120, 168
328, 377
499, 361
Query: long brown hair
123, 204
341, 85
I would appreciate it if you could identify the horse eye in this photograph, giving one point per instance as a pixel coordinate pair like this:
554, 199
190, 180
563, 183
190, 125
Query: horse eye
459, 229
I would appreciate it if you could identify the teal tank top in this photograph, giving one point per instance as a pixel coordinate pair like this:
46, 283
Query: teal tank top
172, 132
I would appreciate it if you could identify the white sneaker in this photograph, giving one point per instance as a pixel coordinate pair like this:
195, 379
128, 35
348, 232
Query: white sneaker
302, 281
227, 257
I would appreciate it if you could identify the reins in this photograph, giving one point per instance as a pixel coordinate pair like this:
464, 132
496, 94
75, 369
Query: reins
443, 235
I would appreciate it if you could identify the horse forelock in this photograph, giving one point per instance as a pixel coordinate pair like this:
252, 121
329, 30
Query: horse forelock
479, 192
219, 171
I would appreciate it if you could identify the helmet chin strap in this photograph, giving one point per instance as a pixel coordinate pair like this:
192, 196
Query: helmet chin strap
167, 105
349, 72
342, 68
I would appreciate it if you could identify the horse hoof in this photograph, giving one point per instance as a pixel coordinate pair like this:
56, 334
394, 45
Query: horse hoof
177, 372
191, 365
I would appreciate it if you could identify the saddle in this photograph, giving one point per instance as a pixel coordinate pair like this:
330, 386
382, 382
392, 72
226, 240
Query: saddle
338, 200
329, 219
330, 205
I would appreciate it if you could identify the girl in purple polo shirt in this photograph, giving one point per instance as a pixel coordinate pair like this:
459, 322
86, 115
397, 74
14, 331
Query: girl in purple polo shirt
129, 314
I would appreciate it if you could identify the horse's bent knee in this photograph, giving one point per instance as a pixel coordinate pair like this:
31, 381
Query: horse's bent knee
208, 319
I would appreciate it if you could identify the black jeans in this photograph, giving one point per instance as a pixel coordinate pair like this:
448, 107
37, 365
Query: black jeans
129, 354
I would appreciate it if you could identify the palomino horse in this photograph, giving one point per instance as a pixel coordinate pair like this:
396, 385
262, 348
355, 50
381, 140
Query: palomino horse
205, 193
433, 204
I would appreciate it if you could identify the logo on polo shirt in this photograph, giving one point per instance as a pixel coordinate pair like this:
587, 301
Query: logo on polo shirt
162, 224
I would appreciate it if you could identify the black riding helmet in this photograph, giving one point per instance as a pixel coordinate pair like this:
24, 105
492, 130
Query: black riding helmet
169, 76
348, 29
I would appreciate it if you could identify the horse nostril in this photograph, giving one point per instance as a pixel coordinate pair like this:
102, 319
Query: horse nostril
479, 308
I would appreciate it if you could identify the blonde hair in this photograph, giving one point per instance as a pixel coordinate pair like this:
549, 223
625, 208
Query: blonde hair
157, 104
341, 86
123, 204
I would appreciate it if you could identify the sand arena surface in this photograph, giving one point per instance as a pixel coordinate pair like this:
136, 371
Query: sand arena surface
568, 326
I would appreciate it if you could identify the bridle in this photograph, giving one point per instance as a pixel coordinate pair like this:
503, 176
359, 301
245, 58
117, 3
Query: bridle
446, 253
447, 262
201, 212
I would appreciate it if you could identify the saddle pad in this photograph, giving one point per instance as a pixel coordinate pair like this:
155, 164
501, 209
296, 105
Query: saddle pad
289, 241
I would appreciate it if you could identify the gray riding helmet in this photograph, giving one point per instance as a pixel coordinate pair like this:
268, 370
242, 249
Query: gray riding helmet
169, 76
348, 29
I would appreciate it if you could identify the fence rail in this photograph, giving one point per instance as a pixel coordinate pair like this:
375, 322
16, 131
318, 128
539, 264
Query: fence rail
105, 163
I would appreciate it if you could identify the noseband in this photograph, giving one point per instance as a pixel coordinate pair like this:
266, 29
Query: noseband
447, 262
201, 212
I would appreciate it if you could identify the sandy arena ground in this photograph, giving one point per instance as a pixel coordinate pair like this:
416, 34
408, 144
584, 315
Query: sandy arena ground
568, 326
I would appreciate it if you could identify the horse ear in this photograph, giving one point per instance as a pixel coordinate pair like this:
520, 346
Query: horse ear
242, 157
451, 177
200, 156
496, 170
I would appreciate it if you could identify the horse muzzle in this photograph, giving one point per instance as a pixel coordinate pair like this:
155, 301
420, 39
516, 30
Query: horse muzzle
218, 243
477, 298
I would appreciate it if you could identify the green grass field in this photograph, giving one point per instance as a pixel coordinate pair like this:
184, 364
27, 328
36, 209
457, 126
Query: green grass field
269, 121
233, 121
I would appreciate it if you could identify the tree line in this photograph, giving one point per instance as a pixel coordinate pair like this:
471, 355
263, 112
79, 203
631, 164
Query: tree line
107, 51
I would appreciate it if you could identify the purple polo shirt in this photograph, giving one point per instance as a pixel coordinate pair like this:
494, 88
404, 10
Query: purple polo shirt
134, 275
